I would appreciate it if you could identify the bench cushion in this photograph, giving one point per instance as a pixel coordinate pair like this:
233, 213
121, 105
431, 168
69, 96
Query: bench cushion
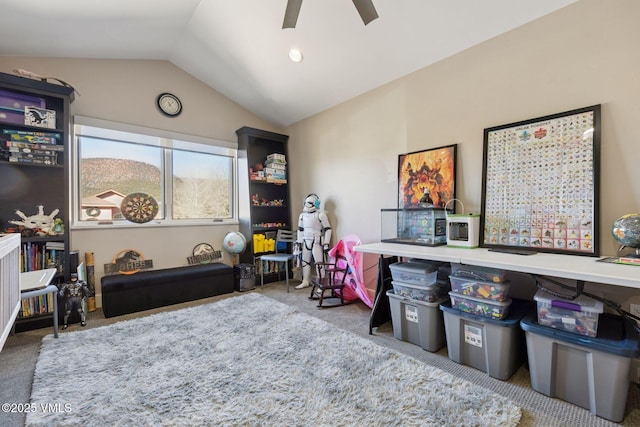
122, 293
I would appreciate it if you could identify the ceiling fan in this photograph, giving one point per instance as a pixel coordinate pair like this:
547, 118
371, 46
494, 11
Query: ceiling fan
365, 8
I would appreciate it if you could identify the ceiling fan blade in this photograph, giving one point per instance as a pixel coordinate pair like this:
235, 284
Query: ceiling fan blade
366, 9
291, 14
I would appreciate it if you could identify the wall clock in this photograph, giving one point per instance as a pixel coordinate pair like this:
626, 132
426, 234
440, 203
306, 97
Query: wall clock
169, 104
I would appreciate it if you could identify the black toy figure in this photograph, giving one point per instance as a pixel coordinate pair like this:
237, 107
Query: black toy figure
74, 294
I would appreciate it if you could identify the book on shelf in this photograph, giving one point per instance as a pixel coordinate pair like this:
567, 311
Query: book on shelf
42, 304
27, 147
32, 136
41, 255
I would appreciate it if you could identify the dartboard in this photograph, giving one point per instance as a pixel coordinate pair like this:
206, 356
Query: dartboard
139, 207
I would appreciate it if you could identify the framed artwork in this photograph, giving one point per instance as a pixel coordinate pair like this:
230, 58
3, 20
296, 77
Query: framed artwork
541, 182
428, 174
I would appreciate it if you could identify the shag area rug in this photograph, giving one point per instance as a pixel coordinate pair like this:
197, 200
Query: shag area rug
246, 361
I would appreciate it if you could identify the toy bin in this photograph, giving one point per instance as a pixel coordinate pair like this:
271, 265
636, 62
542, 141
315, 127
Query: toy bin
482, 307
496, 347
417, 322
579, 315
589, 372
476, 288
430, 293
488, 274
414, 273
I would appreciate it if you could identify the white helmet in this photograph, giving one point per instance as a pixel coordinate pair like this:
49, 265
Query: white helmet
311, 203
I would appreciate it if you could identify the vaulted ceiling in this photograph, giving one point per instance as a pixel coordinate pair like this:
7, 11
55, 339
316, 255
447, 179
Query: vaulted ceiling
238, 47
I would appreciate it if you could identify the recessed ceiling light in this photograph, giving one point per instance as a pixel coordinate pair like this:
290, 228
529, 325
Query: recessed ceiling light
295, 55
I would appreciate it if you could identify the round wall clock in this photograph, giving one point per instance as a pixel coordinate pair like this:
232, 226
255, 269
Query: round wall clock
169, 104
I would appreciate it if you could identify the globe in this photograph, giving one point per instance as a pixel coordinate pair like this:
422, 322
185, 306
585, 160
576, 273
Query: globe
626, 230
234, 242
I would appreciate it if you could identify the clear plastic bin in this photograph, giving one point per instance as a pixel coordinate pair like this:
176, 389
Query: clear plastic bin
480, 288
481, 307
414, 273
489, 274
579, 315
420, 293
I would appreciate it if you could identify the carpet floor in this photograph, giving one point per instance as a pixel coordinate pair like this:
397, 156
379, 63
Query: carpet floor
248, 360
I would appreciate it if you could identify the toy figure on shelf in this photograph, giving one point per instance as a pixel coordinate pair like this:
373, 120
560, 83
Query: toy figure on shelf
314, 236
38, 224
74, 294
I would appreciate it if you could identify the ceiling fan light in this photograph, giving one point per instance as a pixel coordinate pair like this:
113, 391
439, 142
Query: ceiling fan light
295, 55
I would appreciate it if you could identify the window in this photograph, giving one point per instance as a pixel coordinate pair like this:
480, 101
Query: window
191, 179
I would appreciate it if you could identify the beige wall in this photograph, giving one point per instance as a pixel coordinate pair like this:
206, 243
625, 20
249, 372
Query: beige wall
584, 54
125, 91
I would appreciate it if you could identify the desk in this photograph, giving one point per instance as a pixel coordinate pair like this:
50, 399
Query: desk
581, 268
36, 283
573, 267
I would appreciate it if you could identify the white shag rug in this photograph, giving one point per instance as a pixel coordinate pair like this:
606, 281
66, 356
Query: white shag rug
246, 361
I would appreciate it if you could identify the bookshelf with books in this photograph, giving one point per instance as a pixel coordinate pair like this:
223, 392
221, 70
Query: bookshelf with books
35, 133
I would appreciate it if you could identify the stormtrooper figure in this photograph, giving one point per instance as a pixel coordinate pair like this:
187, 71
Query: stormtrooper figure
314, 236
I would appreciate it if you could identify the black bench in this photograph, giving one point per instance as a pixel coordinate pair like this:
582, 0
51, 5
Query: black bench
122, 293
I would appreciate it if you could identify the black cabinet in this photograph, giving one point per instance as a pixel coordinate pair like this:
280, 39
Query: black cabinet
263, 204
35, 132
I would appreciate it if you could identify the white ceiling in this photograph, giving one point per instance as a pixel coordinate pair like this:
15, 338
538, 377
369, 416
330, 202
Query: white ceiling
238, 47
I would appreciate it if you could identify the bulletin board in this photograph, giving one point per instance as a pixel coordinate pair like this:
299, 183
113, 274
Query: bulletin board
541, 183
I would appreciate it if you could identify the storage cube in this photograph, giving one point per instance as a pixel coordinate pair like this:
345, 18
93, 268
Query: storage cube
414, 273
589, 372
482, 307
417, 322
579, 315
419, 226
489, 274
496, 347
431, 293
478, 288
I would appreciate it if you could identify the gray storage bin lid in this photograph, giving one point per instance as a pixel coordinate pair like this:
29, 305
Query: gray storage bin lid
616, 335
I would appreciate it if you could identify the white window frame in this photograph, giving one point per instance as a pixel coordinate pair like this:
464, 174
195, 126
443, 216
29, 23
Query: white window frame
88, 126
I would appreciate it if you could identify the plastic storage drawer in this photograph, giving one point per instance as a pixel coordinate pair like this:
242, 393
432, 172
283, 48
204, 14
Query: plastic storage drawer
476, 288
579, 315
482, 307
414, 273
496, 347
417, 322
430, 293
478, 272
589, 372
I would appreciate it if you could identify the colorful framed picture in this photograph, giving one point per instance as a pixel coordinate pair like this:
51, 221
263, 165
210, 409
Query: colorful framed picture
427, 176
541, 182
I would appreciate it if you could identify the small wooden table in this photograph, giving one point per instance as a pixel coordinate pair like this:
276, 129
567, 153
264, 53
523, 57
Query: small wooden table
38, 282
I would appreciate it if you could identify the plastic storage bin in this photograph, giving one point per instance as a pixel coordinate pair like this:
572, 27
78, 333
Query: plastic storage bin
478, 272
431, 293
496, 347
420, 323
589, 372
414, 273
579, 315
477, 288
244, 277
482, 307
